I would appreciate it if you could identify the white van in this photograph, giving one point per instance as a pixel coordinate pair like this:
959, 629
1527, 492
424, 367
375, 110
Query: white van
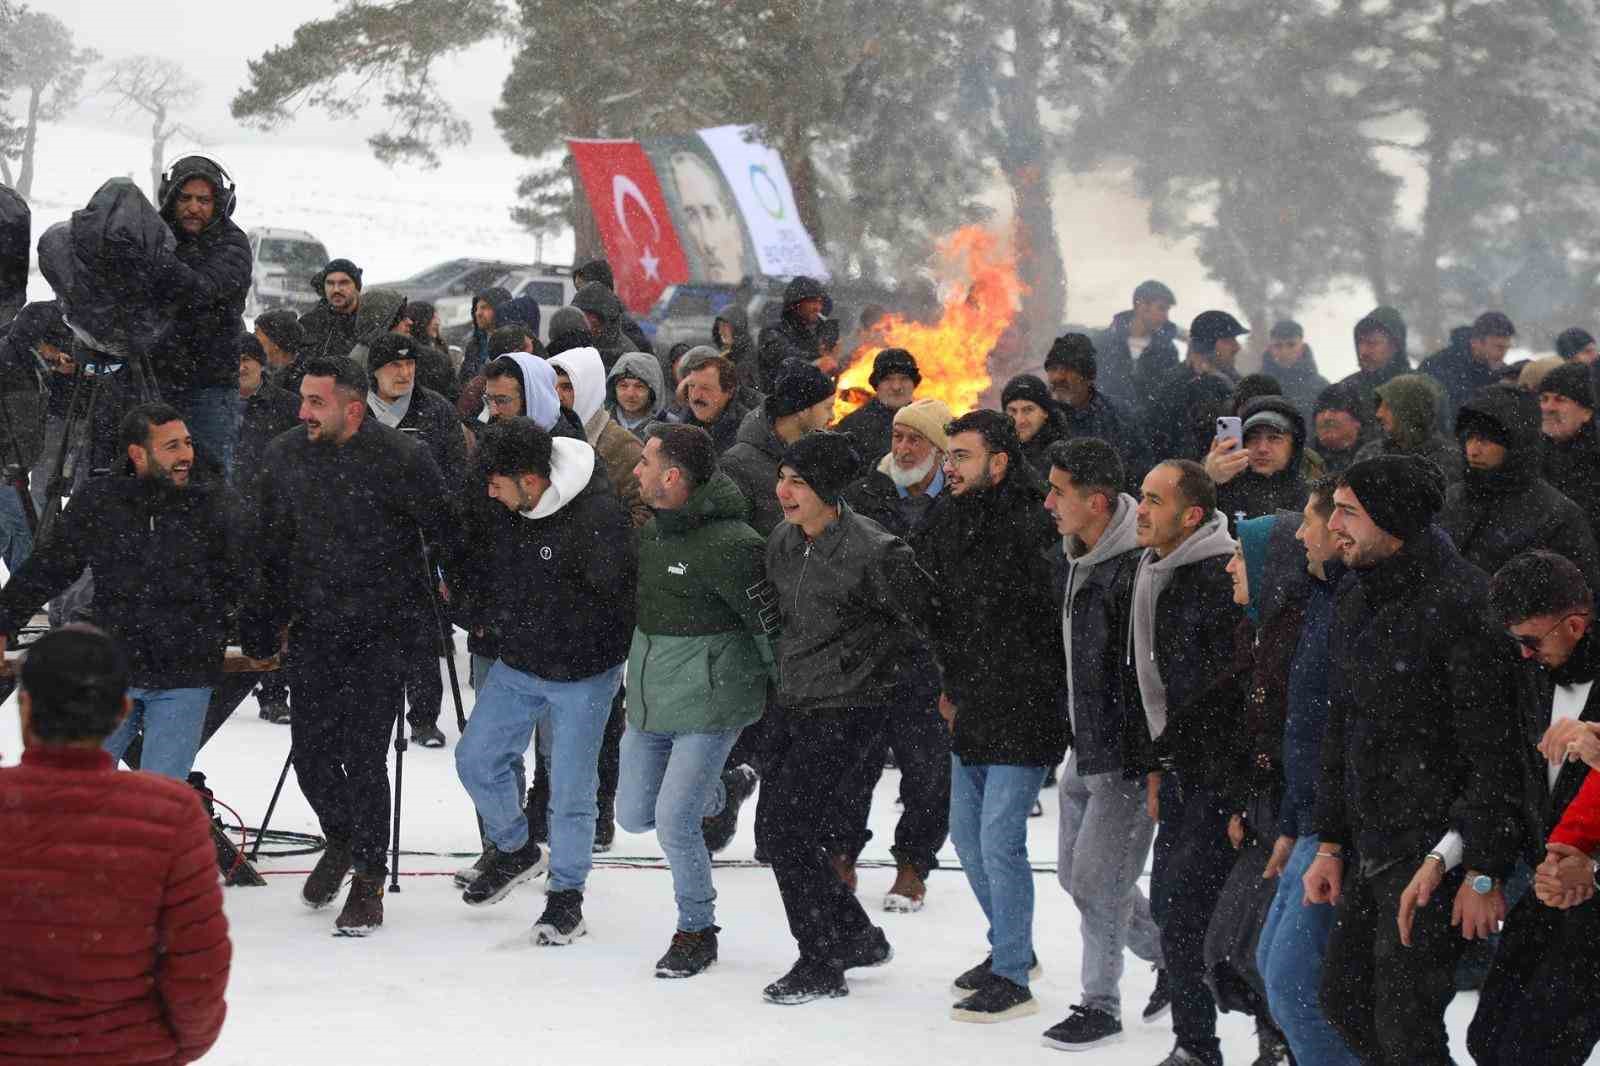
286, 261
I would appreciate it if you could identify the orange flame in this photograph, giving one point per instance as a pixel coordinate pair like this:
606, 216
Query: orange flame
953, 353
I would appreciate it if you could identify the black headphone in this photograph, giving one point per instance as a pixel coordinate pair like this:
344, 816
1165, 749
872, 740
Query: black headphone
227, 191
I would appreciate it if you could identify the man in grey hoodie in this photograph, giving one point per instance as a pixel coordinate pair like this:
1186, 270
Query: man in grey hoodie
634, 393
1181, 642
1105, 833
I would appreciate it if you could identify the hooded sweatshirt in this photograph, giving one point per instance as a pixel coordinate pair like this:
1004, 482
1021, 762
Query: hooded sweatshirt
540, 401
645, 368
618, 449
595, 299
1122, 535
1413, 401
1210, 541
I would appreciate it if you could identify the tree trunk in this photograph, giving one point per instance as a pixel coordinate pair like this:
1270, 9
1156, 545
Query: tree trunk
803, 178
158, 144
30, 138
5, 170
1440, 142
585, 234
1027, 170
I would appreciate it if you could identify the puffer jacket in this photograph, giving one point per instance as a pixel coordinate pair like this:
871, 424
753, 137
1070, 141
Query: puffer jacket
125, 964
702, 651
753, 464
205, 279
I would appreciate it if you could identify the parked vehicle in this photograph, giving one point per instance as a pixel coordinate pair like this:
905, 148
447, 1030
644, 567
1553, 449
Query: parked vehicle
453, 277
286, 261
685, 313
550, 286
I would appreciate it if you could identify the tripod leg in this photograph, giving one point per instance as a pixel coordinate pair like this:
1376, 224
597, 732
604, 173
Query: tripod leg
272, 805
399, 769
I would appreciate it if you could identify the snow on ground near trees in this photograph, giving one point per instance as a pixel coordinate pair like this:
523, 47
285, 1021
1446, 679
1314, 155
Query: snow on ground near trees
442, 982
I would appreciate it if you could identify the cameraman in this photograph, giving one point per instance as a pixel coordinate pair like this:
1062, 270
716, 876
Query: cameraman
160, 545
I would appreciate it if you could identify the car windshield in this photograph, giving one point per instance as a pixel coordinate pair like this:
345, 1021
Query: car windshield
548, 293
438, 275
295, 256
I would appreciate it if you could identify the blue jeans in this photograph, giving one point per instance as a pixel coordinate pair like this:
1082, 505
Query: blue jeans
669, 782
16, 539
510, 704
171, 720
989, 808
212, 417
1289, 957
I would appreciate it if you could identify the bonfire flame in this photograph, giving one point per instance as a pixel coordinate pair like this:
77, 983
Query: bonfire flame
953, 353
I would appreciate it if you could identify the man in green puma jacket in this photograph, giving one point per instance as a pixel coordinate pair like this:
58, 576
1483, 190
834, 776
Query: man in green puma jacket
697, 671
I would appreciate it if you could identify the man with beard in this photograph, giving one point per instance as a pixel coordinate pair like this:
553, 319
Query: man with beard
1072, 367
1291, 362
162, 545
1416, 744
997, 640
1182, 416
1380, 340
475, 354
1342, 418
796, 333
330, 327
341, 514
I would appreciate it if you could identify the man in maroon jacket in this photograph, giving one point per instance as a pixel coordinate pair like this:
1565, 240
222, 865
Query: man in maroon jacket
130, 964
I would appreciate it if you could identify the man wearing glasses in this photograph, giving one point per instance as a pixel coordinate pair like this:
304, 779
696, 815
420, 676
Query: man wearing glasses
1419, 730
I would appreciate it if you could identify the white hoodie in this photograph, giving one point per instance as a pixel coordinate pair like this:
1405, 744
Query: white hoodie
571, 467
587, 372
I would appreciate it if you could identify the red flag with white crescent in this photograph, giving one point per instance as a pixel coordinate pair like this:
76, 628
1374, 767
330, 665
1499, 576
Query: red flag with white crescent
632, 217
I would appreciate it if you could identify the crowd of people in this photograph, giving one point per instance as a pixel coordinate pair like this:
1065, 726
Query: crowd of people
1326, 651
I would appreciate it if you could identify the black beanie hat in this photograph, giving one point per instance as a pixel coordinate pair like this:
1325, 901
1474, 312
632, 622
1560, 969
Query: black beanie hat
1344, 397
343, 266
828, 461
387, 348
249, 347
1072, 351
283, 329
796, 386
1026, 387
1572, 341
1402, 493
1575, 381
894, 361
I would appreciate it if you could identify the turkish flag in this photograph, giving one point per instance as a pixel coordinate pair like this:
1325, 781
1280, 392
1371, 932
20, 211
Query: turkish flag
632, 216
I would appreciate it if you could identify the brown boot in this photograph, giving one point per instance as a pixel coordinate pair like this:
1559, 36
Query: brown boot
845, 869
363, 907
906, 896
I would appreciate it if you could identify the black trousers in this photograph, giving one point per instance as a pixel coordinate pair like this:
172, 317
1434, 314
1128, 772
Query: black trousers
1539, 1002
348, 696
1192, 861
1385, 999
807, 755
424, 686
913, 730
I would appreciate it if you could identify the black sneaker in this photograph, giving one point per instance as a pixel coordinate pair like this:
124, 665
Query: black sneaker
322, 887
999, 1000
1182, 1056
1273, 1048
428, 736
974, 978
1160, 999
738, 783
867, 951
275, 710
562, 920
506, 871
1082, 1029
806, 980
468, 874
605, 825
689, 954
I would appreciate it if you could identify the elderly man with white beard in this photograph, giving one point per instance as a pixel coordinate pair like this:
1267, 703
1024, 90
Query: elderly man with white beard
898, 494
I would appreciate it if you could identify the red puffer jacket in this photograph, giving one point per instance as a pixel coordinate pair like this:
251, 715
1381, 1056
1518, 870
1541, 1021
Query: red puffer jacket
113, 945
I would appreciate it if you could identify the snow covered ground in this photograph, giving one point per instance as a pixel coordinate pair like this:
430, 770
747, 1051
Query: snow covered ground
446, 983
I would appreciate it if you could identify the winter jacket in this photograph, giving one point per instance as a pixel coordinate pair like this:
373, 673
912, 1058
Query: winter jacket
1113, 422
558, 584
996, 635
1301, 384
432, 420
475, 354
1368, 381
618, 449
380, 311
753, 465
645, 368
1093, 590
851, 605
1134, 382
337, 536
789, 337
116, 946
743, 350
327, 332
165, 572
877, 497
600, 270
702, 650
595, 299
1413, 401
434, 368
727, 430
1307, 712
1253, 494
1573, 469
205, 279
1182, 418
1036, 449
1419, 719
1496, 515
1458, 374
1181, 641
871, 426
267, 413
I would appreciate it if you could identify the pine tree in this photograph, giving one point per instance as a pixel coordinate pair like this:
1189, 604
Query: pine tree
49, 71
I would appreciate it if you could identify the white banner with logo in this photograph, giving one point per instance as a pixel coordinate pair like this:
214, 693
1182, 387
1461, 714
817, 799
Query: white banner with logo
760, 184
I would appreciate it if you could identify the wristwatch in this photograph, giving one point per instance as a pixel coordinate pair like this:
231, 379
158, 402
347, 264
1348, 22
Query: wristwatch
1483, 884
